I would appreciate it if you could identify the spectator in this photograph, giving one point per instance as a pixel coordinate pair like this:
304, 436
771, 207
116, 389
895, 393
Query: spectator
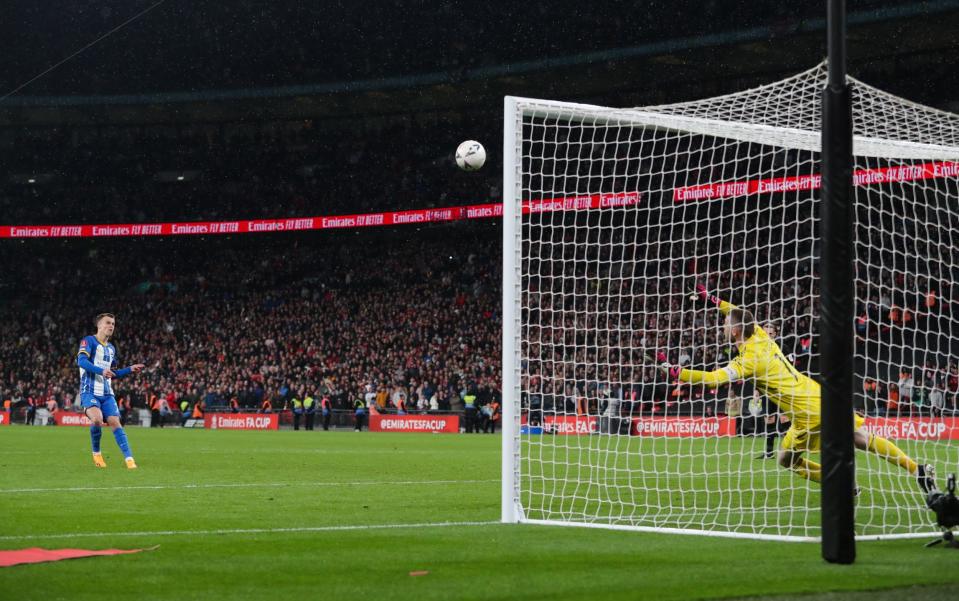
165, 410
495, 414
906, 390
154, 411
734, 409
937, 402
297, 407
52, 410
892, 404
326, 407
359, 414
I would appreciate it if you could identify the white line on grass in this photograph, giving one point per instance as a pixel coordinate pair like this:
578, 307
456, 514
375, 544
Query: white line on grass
244, 485
247, 530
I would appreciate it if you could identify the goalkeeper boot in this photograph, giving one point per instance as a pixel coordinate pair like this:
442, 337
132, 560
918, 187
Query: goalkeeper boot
926, 478
131, 464
98, 460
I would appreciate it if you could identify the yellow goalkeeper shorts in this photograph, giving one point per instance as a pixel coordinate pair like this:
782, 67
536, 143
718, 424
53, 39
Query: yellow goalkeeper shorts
805, 437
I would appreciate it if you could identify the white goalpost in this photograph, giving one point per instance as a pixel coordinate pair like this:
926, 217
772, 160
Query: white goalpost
612, 217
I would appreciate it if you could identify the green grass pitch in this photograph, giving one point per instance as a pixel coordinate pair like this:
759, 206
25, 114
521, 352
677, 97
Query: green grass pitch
714, 484
340, 515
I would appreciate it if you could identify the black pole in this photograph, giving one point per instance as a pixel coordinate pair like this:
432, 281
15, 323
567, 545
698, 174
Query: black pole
837, 302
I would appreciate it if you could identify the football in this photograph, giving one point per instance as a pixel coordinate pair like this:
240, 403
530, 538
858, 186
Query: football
470, 155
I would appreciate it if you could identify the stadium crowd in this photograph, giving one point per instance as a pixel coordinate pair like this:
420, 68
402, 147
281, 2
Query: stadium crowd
410, 321
411, 318
596, 310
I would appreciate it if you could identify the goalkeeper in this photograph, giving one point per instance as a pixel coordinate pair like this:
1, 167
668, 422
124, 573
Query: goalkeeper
796, 394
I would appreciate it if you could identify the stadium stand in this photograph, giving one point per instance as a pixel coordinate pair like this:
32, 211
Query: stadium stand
251, 318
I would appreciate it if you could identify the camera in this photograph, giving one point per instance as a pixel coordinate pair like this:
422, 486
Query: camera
946, 507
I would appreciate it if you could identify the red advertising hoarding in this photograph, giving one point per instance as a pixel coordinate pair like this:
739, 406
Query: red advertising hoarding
799, 183
914, 428
569, 424
563, 424
414, 423
896, 428
296, 224
4, 418
241, 421
683, 427
70, 418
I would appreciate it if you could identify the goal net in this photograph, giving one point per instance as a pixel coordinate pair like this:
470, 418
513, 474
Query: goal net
612, 217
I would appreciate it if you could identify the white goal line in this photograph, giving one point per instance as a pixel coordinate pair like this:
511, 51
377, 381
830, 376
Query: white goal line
724, 534
223, 531
7, 491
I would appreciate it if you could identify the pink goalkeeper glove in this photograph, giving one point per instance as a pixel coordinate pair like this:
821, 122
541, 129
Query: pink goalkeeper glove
672, 370
703, 294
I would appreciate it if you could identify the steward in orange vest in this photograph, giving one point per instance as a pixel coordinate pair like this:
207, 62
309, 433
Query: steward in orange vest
494, 416
326, 407
154, 411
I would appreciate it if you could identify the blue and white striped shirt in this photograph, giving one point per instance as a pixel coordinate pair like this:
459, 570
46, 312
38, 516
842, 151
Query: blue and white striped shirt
102, 356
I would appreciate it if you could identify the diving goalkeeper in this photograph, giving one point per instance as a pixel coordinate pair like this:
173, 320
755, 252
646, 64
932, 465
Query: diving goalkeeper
796, 394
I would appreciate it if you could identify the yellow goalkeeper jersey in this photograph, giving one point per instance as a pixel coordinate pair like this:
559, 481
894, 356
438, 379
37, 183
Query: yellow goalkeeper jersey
761, 360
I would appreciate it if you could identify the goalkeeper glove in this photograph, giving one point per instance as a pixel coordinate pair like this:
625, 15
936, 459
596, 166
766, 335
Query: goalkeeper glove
706, 296
672, 370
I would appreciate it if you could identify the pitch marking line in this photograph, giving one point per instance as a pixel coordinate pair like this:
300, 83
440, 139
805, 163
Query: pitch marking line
249, 530
7, 491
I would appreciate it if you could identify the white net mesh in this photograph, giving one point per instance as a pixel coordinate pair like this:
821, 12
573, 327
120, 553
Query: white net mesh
722, 192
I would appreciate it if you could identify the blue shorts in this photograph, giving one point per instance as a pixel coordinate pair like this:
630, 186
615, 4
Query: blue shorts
106, 404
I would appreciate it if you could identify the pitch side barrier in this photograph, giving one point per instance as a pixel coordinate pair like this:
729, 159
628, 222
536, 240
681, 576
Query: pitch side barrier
710, 191
447, 422
897, 428
299, 224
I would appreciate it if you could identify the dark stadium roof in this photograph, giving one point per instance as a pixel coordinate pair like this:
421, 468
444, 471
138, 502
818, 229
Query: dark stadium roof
189, 46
